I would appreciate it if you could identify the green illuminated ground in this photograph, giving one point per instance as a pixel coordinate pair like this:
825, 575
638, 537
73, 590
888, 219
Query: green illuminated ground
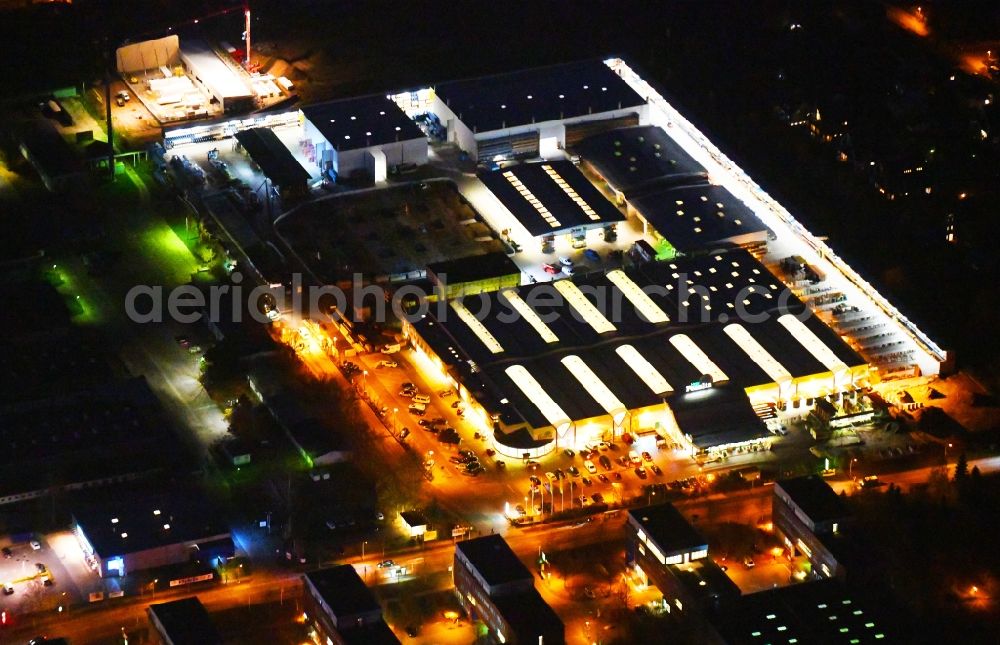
664, 250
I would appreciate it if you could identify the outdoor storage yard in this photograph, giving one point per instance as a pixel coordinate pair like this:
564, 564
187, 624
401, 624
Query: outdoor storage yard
385, 234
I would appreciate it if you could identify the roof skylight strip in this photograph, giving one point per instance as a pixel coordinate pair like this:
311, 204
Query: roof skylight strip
644, 370
812, 343
566, 188
477, 327
584, 307
757, 353
639, 299
532, 389
529, 315
530, 197
698, 358
596, 388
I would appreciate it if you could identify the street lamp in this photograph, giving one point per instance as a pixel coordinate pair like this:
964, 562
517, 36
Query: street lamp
850, 468
946, 447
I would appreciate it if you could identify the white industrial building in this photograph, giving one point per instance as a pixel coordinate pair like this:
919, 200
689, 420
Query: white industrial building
530, 113
367, 134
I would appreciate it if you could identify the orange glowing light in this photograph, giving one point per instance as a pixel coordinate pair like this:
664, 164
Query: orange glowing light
913, 22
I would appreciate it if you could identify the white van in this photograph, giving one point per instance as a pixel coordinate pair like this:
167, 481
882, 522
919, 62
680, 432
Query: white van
418, 409
421, 398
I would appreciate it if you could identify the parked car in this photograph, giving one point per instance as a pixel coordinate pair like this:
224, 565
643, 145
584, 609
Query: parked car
640, 472
551, 476
574, 471
633, 456
8, 589
603, 479
7, 553
569, 452
591, 468
587, 481
565, 261
749, 563
592, 255
605, 462
551, 269
656, 469
387, 364
35, 545
646, 456
385, 564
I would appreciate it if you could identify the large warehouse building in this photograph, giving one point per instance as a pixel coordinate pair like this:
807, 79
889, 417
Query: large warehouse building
551, 199
690, 350
368, 133
529, 113
668, 192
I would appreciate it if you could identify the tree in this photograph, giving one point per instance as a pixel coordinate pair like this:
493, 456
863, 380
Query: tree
961, 470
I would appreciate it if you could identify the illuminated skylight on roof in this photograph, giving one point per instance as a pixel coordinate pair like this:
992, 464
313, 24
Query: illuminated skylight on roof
572, 194
698, 358
775, 370
644, 370
477, 327
639, 299
531, 199
532, 389
584, 307
812, 343
596, 388
529, 315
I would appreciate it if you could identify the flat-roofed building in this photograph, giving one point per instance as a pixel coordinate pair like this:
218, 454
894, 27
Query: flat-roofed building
367, 134
668, 192
532, 112
474, 274
495, 587
808, 517
550, 199
684, 349
183, 622
813, 612
342, 610
665, 550
137, 529
220, 80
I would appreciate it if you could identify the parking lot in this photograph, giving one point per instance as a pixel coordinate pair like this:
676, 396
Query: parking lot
43, 578
556, 482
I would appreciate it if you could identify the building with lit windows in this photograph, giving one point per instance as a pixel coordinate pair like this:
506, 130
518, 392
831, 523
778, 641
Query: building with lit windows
342, 610
494, 586
664, 550
528, 113
696, 351
809, 517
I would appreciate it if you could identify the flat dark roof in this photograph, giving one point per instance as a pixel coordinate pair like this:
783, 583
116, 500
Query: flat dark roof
523, 188
349, 124
131, 521
536, 95
473, 268
717, 416
186, 622
343, 590
812, 612
665, 525
639, 157
815, 497
493, 558
377, 633
697, 316
49, 150
274, 159
694, 218
529, 617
